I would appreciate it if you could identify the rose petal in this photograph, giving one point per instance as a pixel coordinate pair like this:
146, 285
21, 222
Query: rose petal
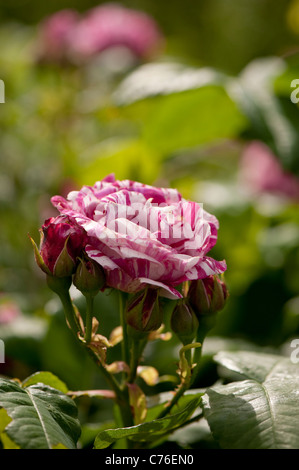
143, 235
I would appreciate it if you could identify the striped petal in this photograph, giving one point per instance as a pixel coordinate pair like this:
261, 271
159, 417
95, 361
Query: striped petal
143, 235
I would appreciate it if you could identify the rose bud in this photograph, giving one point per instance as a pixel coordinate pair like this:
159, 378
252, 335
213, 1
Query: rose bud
143, 313
207, 295
89, 277
184, 322
62, 241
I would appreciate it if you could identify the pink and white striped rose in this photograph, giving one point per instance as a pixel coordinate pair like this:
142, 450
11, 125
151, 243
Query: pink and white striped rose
143, 236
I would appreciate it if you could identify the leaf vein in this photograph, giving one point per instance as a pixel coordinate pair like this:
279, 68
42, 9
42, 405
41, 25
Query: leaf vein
39, 417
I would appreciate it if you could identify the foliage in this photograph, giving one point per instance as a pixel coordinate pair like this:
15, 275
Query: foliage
41, 417
258, 411
181, 120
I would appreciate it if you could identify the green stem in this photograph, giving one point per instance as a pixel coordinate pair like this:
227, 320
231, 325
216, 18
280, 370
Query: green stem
181, 390
61, 287
75, 328
125, 409
188, 356
205, 325
137, 347
134, 360
109, 377
123, 418
125, 345
89, 315
70, 313
71, 316
122, 398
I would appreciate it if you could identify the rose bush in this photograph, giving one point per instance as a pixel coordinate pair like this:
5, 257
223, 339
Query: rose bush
143, 236
145, 241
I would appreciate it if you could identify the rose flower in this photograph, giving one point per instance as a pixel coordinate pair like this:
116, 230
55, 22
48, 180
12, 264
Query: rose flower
143, 236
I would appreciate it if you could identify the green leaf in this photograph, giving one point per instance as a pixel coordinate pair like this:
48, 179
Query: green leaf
191, 118
122, 156
46, 378
177, 107
149, 431
41, 417
156, 403
259, 411
163, 79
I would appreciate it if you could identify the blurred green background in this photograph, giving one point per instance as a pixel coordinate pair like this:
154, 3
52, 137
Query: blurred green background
182, 118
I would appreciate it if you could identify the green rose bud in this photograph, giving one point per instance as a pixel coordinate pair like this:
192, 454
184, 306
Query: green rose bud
207, 296
143, 313
89, 277
184, 322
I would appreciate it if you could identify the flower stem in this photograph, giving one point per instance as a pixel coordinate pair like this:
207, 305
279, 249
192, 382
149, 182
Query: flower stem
205, 325
137, 348
61, 287
181, 390
89, 314
71, 318
70, 313
125, 342
122, 399
109, 378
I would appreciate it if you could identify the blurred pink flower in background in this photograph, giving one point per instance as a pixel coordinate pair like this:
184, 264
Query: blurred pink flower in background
261, 172
112, 25
54, 35
65, 34
9, 311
